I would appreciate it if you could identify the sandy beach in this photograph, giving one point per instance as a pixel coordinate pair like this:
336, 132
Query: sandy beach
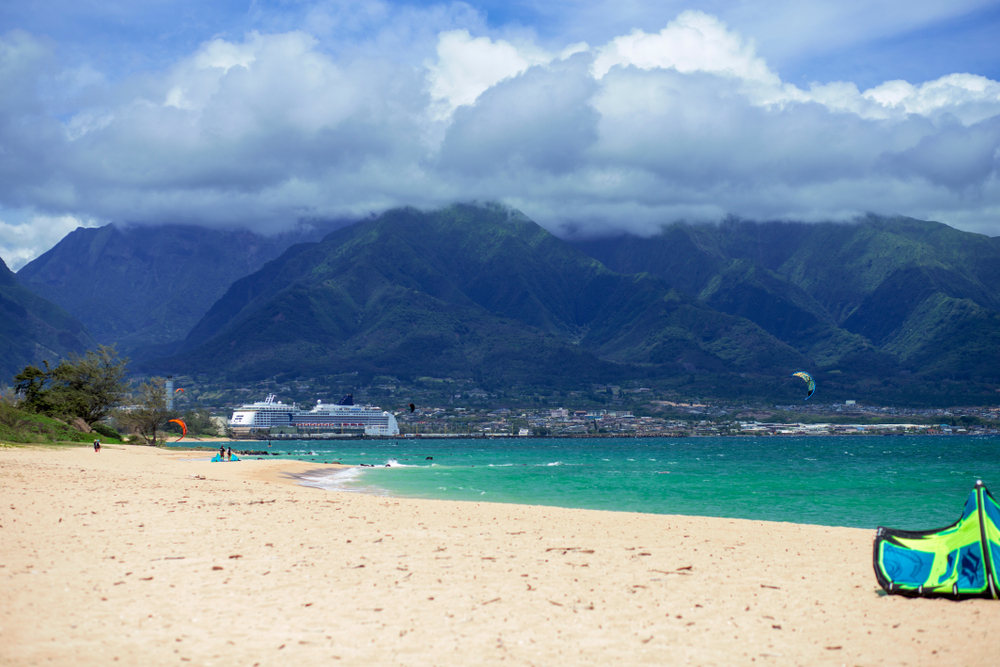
142, 556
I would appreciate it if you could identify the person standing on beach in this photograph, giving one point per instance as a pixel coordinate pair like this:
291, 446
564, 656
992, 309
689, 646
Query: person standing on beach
229, 453
97, 446
222, 452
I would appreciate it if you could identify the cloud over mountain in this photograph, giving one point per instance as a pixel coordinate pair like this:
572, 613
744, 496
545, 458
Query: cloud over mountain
649, 127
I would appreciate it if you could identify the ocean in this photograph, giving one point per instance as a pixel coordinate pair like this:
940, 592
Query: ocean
857, 481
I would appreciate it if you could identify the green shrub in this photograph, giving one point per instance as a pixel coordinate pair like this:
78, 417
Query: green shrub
17, 425
106, 431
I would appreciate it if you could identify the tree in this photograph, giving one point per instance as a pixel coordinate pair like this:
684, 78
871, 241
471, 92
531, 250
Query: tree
96, 382
148, 411
89, 387
32, 386
50, 391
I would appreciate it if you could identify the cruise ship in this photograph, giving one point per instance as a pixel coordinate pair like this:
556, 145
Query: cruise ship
274, 417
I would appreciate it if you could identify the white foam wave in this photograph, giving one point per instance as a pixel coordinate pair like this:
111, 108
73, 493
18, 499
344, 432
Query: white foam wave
346, 479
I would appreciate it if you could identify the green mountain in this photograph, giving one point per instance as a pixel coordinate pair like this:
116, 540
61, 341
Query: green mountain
33, 329
902, 309
917, 296
468, 291
145, 287
743, 287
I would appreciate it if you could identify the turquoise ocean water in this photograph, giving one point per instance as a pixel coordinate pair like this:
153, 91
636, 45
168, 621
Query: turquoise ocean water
859, 481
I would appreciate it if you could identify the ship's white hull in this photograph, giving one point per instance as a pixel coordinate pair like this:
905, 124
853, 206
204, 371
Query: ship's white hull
267, 417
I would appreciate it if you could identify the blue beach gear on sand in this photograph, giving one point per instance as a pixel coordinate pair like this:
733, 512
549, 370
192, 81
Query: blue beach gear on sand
957, 562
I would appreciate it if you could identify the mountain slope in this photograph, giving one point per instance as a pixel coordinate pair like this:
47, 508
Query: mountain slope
33, 329
457, 291
142, 286
841, 265
833, 291
744, 288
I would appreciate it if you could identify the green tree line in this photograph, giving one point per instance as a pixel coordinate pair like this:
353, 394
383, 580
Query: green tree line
93, 388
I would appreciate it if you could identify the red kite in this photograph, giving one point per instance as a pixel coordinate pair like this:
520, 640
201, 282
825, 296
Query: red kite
184, 428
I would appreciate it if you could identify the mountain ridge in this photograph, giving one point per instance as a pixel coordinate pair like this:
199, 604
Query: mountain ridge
871, 286
141, 286
479, 290
483, 262
33, 329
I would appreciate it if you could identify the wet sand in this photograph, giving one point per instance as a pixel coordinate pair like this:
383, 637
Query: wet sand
153, 557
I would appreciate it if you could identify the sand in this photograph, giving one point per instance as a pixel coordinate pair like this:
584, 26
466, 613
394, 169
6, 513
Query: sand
140, 556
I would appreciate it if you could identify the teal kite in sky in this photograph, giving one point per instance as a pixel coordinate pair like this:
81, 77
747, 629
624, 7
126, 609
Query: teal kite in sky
957, 562
809, 382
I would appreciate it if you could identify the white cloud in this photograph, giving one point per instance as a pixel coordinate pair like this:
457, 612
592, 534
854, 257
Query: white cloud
226, 55
541, 120
468, 66
23, 241
690, 121
968, 97
693, 42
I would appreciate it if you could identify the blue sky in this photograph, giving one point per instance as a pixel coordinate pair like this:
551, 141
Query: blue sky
591, 116
941, 38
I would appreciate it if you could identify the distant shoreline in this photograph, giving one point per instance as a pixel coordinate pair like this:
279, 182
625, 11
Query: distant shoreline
448, 436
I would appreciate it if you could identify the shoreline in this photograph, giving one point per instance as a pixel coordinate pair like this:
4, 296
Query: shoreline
665, 477
146, 556
669, 436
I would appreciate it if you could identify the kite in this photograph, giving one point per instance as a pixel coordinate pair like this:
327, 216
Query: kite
179, 390
412, 407
957, 562
184, 428
809, 382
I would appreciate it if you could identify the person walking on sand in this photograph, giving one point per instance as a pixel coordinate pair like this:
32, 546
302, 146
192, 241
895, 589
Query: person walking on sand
97, 446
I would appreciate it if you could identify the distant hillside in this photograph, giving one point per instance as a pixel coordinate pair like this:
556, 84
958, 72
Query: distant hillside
143, 287
892, 307
33, 329
920, 296
474, 291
